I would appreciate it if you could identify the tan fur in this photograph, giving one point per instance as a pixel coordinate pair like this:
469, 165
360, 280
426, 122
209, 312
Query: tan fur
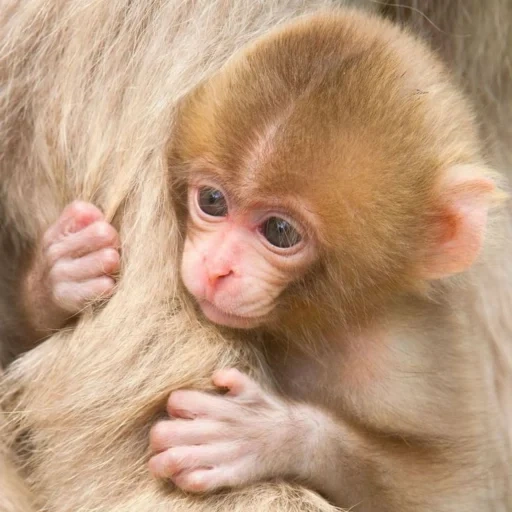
87, 111
483, 65
15, 494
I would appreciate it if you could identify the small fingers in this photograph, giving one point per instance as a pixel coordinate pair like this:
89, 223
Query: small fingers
210, 479
103, 262
73, 218
191, 404
73, 297
200, 480
168, 433
186, 458
95, 236
236, 382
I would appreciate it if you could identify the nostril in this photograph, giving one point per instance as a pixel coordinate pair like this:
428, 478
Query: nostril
214, 277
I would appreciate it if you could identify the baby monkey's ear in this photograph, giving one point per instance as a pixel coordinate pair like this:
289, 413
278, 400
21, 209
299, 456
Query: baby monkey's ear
465, 196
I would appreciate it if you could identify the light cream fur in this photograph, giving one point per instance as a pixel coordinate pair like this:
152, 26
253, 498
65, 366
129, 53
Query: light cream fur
475, 38
87, 97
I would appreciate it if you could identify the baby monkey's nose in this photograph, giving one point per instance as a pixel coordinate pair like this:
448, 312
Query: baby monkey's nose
218, 272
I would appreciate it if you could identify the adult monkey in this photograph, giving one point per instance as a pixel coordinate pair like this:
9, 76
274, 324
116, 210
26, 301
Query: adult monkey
91, 90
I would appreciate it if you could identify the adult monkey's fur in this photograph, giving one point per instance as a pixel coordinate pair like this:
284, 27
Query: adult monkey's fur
87, 93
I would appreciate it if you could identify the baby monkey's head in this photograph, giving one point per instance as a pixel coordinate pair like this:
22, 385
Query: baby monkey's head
330, 167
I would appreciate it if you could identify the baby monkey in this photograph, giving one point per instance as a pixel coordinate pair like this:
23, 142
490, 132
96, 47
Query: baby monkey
334, 189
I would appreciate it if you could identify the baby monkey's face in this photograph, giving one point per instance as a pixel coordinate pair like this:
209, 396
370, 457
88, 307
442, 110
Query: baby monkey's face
321, 184
238, 258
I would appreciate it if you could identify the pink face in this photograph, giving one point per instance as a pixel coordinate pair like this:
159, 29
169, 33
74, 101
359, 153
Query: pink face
237, 262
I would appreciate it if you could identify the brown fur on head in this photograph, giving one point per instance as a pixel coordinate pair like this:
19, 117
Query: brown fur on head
343, 117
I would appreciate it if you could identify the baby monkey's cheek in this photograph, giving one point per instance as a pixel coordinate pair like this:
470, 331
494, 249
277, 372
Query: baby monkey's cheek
255, 293
192, 270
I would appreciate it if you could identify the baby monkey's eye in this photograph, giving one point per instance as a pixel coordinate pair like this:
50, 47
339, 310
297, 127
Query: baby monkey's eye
212, 202
280, 233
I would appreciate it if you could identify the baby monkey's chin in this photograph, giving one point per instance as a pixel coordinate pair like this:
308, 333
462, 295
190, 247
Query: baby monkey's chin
220, 317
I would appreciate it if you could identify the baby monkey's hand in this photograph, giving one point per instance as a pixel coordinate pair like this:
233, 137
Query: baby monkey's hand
74, 264
242, 437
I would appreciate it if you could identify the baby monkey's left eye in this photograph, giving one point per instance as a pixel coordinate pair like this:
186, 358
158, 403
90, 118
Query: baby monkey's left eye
212, 202
280, 233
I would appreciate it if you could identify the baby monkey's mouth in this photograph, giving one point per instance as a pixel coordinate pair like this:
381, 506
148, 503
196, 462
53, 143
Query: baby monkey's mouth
227, 319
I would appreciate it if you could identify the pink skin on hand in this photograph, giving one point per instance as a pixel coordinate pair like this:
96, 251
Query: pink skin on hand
74, 265
215, 441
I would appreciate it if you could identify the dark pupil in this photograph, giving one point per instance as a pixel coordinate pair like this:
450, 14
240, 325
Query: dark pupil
212, 202
280, 233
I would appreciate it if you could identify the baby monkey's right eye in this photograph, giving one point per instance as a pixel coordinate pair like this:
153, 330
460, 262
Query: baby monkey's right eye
212, 202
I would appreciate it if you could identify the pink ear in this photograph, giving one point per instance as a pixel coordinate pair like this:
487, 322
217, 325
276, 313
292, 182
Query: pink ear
465, 201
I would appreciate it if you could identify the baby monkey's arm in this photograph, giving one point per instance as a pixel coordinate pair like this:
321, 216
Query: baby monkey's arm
248, 435
73, 264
